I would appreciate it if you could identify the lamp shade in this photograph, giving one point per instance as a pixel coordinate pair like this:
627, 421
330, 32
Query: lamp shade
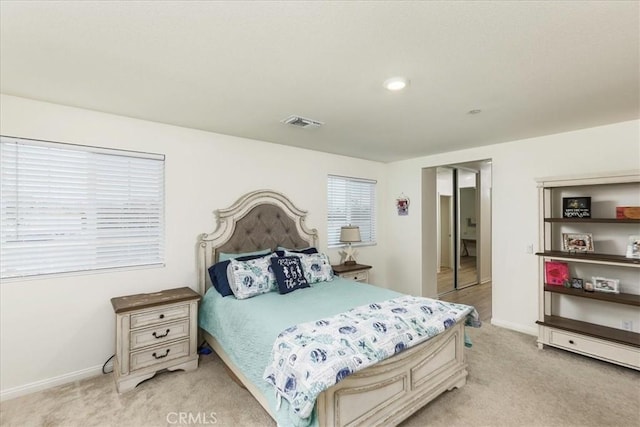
350, 234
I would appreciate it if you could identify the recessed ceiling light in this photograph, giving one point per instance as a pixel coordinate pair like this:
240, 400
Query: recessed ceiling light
477, 111
396, 83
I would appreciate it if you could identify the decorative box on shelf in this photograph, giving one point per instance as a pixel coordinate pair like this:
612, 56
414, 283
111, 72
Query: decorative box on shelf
154, 331
628, 212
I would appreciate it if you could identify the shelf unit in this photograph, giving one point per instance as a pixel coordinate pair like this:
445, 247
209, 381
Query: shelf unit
591, 323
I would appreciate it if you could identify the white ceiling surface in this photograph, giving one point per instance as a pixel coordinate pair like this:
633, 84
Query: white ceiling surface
238, 68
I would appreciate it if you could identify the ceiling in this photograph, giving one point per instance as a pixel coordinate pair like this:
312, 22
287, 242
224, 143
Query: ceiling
238, 68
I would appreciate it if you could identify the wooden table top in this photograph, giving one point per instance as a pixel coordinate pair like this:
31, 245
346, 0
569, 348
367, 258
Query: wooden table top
345, 268
139, 301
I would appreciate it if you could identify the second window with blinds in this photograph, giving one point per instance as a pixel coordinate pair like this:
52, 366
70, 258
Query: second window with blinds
351, 201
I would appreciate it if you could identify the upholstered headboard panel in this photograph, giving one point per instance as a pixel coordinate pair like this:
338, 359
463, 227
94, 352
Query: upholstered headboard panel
264, 226
262, 219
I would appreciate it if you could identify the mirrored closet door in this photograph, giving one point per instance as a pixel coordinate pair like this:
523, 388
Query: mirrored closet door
464, 225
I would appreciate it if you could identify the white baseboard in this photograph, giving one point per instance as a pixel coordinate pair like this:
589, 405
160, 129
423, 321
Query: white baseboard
533, 330
82, 374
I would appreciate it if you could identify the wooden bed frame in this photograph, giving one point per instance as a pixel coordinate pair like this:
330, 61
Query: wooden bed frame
384, 394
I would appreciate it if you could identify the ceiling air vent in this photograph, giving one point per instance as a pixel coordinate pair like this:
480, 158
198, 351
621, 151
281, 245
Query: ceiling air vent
301, 122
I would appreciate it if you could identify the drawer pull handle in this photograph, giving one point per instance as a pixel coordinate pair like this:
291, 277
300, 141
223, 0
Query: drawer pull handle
571, 342
164, 355
160, 336
162, 316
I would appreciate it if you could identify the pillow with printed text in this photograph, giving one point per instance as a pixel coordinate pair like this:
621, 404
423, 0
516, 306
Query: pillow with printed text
289, 274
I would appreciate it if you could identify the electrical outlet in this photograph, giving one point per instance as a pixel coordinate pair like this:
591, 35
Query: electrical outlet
627, 325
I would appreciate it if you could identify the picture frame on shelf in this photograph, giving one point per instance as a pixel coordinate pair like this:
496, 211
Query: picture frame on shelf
633, 247
577, 242
556, 273
576, 207
576, 283
603, 284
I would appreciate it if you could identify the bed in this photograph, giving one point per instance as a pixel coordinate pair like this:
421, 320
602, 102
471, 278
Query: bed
383, 394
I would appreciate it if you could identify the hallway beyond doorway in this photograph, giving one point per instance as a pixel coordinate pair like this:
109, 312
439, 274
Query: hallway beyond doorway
467, 274
478, 296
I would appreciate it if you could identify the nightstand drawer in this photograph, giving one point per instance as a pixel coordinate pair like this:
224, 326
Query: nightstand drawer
358, 276
165, 332
144, 358
159, 316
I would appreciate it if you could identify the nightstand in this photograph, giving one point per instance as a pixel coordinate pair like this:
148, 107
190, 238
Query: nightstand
357, 272
153, 332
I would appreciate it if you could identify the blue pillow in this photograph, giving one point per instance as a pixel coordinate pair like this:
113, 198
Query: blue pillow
223, 256
307, 251
289, 274
218, 273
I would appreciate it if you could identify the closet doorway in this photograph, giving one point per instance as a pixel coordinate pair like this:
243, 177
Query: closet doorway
464, 225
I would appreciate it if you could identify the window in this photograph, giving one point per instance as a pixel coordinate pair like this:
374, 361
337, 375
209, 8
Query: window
67, 208
351, 201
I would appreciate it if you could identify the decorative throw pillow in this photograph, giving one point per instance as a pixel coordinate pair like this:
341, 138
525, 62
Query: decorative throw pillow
317, 267
251, 278
218, 274
289, 274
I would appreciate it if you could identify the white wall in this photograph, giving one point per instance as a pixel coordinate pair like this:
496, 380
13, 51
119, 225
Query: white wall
59, 329
514, 169
56, 330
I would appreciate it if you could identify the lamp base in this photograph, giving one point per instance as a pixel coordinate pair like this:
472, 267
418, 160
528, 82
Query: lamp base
350, 262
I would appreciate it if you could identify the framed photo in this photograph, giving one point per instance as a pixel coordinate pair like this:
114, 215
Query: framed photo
633, 247
576, 283
572, 242
602, 284
556, 272
576, 207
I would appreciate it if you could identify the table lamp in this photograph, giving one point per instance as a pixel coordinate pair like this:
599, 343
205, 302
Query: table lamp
350, 234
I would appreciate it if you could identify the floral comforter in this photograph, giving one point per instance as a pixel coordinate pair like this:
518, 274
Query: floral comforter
310, 357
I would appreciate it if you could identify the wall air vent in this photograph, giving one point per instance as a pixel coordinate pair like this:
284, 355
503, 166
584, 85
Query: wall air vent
301, 122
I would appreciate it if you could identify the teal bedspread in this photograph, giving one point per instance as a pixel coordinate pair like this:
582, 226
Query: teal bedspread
269, 314
247, 329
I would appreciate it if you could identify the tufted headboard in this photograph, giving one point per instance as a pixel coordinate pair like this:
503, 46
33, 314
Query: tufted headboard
258, 220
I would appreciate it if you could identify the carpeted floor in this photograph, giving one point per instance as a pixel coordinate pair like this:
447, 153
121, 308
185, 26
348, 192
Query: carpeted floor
510, 383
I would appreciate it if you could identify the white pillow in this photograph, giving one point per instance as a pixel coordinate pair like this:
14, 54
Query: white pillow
317, 267
251, 278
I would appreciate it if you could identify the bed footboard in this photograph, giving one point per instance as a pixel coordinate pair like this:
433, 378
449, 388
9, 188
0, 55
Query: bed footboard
389, 392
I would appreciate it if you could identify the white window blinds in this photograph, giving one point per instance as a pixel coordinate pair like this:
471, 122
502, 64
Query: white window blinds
67, 208
351, 201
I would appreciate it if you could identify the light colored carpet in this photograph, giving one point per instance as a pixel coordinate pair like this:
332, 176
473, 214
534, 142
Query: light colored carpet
510, 383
